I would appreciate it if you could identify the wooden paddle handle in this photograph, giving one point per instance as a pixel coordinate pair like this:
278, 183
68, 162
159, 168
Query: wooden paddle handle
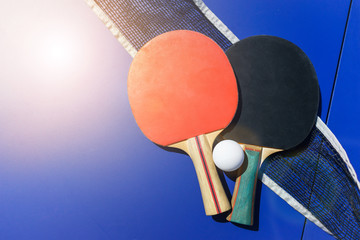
244, 191
212, 191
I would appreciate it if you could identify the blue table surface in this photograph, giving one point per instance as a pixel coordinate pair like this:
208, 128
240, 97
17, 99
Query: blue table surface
74, 164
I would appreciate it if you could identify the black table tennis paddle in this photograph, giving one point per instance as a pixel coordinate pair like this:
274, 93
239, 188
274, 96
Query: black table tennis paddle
279, 98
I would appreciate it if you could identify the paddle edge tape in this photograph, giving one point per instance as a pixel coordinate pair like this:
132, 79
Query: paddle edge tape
172, 100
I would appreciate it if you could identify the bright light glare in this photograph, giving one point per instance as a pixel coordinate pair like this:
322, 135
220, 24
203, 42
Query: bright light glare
59, 53
45, 94
54, 94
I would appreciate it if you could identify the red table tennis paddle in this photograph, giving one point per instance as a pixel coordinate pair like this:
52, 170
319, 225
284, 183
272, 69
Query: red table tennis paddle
279, 95
183, 92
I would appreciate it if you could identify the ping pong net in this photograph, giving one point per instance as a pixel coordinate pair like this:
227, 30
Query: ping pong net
317, 178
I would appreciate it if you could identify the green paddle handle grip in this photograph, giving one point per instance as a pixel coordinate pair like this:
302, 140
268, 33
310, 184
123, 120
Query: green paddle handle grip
244, 191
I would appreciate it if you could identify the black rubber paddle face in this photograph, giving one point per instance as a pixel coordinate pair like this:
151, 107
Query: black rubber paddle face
279, 93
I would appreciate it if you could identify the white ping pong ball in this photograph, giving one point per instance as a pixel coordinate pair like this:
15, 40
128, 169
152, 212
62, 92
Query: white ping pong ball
228, 155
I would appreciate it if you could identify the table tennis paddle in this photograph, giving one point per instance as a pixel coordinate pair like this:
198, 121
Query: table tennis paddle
183, 92
279, 95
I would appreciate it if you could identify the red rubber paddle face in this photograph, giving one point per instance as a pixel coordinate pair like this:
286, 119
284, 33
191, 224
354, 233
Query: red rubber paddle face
181, 85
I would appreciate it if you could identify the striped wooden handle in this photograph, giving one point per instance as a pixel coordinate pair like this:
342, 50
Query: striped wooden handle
213, 194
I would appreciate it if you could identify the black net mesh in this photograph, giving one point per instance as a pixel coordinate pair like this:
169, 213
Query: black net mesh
318, 178
142, 20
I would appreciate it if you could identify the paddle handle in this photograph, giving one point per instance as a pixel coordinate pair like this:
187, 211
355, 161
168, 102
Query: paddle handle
212, 191
244, 190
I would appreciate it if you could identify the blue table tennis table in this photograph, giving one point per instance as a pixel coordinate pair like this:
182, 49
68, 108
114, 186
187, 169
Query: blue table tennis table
93, 175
